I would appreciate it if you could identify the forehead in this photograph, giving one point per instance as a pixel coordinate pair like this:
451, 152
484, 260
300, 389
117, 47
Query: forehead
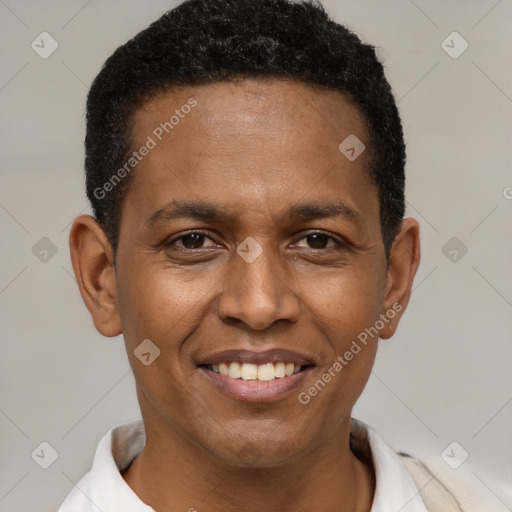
274, 140
262, 105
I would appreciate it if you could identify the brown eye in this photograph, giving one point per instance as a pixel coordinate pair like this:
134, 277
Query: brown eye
192, 240
320, 241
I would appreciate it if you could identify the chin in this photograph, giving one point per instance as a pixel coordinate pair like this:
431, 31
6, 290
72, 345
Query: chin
258, 453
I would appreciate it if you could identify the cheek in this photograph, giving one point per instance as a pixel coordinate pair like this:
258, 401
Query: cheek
344, 309
346, 304
154, 305
158, 302
164, 307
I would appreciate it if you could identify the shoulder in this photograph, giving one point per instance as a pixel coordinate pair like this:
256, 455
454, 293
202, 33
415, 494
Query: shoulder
103, 487
439, 487
444, 489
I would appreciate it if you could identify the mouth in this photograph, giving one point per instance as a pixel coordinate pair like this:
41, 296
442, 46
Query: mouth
257, 376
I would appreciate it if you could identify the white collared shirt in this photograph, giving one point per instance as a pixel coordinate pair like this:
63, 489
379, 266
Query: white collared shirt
103, 489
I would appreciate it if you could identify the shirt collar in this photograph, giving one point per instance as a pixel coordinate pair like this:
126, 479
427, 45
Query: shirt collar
395, 489
109, 491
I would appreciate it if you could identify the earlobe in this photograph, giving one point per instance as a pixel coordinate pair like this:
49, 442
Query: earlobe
93, 265
404, 260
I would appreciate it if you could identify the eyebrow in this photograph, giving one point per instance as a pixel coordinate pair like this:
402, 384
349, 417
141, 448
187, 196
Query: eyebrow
217, 213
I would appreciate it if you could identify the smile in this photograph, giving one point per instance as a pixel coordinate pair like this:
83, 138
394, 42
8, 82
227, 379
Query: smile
257, 376
265, 387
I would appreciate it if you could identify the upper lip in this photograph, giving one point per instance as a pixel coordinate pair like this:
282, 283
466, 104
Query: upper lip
275, 355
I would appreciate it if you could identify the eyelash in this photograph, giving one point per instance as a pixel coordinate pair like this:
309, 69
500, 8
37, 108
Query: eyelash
338, 243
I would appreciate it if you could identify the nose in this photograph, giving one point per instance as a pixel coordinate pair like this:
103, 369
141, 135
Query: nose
259, 293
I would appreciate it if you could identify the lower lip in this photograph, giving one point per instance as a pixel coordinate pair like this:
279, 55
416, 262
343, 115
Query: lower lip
255, 390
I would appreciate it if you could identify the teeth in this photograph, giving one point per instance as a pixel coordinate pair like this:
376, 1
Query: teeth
280, 369
263, 372
235, 370
266, 372
249, 371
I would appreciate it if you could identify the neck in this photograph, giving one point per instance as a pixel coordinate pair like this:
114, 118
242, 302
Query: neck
173, 474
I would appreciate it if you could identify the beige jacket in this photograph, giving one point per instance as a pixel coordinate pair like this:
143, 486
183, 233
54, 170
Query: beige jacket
435, 495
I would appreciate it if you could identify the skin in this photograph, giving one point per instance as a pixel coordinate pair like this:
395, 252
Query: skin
256, 147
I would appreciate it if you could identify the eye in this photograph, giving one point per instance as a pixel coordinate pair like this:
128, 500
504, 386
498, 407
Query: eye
196, 239
191, 240
318, 240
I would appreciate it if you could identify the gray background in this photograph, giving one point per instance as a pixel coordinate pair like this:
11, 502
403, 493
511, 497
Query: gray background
444, 377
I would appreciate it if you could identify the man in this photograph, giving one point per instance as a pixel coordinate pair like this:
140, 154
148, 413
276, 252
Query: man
245, 164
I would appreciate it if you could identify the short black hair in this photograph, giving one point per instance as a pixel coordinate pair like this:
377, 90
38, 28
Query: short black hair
209, 41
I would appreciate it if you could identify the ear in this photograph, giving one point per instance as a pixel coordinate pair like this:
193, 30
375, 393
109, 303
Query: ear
93, 263
404, 259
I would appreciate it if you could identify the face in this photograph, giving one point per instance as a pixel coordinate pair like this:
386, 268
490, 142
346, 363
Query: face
248, 237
